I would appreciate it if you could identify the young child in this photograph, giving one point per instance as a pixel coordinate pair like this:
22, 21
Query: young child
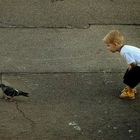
115, 43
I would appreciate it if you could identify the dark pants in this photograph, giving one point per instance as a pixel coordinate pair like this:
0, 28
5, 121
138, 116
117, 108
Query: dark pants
132, 77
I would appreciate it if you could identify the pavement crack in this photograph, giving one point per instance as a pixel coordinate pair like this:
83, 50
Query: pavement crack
6, 24
32, 123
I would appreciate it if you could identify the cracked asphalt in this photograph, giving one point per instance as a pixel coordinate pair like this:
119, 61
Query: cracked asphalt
69, 106
53, 49
74, 84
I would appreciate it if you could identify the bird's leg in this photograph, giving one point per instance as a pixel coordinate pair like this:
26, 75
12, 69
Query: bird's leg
11, 99
8, 98
3, 96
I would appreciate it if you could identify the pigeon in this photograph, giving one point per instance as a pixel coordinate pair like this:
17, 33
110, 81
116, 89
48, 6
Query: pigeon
10, 92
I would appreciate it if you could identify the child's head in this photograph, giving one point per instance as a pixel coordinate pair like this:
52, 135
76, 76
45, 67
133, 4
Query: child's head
114, 40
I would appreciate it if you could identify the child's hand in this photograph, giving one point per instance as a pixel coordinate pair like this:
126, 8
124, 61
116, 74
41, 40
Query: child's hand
129, 67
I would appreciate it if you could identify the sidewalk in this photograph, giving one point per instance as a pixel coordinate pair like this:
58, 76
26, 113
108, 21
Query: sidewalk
73, 82
53, 49
69, 106
40, 50
68, 13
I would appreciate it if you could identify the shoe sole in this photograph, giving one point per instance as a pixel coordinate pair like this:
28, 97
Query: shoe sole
129, 98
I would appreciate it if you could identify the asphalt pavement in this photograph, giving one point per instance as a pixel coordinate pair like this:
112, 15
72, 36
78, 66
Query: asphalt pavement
53, 49
69, 106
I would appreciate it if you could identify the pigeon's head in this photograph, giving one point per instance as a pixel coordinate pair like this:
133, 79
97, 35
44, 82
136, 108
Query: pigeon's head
2, 85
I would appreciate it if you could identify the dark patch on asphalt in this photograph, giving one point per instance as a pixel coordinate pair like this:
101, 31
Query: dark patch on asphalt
56, 0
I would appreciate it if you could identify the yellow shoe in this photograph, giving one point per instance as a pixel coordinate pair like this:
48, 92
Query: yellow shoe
128, 95
126, 89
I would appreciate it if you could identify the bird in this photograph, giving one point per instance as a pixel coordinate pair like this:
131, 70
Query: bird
10, 92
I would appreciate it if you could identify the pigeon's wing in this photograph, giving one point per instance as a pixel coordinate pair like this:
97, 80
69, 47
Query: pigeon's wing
9, 91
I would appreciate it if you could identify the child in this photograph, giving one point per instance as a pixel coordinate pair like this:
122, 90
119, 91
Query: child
115, 43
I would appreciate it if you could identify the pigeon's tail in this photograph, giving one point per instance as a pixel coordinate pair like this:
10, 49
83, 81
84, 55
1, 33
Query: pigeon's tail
24, 94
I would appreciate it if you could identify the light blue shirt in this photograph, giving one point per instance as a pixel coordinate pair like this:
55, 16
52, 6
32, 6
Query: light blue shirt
131, 54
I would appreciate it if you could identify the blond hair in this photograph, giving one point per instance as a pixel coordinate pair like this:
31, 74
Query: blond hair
114, 36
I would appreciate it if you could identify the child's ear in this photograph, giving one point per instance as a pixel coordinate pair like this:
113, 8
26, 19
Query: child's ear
116, 44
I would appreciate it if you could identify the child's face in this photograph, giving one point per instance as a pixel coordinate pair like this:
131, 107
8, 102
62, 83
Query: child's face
112, 47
